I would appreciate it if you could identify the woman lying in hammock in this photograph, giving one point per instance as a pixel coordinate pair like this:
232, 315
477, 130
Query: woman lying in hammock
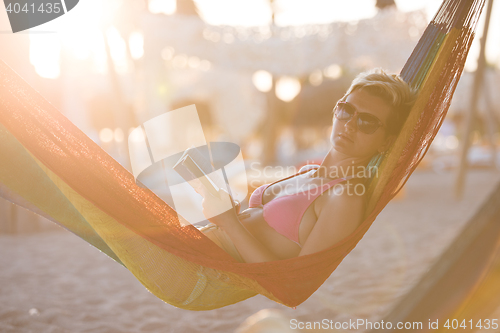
315, 209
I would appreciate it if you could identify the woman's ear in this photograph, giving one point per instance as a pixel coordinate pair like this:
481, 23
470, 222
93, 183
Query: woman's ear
388, 141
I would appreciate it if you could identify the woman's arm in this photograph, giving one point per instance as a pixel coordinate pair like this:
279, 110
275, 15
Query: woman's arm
250, 249
339, 215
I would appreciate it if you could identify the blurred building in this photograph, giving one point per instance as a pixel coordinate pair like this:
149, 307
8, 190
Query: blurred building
187, 60
184, 60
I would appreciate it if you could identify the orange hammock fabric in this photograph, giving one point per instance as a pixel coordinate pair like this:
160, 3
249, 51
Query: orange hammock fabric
50, 167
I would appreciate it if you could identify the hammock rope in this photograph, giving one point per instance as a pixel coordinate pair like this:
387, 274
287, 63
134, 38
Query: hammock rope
50, 167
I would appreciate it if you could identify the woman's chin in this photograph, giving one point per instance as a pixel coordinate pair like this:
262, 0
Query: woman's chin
342, 145
346, 149
339, 150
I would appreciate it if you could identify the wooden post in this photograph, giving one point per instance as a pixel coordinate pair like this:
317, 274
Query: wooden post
270, 128
469, 120
491, 124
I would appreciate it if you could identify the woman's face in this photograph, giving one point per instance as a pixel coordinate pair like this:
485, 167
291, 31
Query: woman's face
347, 139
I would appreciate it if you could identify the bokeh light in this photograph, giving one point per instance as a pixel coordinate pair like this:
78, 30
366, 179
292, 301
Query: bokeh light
316, 78
106, 135
136, 44
262, 80
333, 72
287, 88
45, 50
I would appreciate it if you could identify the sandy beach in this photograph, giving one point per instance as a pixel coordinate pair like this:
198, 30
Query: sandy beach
54, 282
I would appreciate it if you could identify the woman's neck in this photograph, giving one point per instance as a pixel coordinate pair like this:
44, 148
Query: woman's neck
338, 165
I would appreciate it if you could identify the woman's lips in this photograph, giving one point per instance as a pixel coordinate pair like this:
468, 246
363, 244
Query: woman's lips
345, 137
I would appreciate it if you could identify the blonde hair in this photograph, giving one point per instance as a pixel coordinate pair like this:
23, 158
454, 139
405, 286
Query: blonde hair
392, 89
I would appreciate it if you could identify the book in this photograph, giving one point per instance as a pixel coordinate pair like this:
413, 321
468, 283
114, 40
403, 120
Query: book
193, 165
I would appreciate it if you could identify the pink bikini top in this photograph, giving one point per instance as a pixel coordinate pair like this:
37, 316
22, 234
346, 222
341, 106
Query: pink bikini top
285, 213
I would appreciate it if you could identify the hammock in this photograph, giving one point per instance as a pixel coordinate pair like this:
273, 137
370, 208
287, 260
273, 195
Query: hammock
50, 167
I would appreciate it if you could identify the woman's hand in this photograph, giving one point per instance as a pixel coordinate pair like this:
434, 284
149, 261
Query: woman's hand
218, 210
243, 215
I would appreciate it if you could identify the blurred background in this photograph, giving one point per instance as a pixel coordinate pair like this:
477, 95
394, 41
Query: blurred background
263, 74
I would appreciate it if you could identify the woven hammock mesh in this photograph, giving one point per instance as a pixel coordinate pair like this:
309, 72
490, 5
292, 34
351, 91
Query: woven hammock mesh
52, 168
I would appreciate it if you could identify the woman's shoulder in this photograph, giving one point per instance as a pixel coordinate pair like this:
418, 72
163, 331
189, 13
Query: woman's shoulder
338, 214
346, 194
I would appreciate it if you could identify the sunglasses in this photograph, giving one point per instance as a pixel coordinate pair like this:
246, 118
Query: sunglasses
366, 122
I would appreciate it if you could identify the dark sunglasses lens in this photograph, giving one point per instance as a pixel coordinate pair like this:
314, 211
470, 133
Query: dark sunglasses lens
367, 123
344, 112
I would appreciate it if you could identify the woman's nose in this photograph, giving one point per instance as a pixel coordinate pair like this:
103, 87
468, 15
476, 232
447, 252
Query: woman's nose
351, 124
